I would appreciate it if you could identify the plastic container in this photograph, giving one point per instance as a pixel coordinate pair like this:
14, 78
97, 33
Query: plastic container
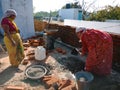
68, 6
83, 80
40, 53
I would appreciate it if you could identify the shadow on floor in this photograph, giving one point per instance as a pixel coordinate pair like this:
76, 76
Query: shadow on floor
33, 82
3, 55
6, 75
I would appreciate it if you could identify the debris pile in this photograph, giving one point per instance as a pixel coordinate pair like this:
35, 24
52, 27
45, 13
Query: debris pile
52, 81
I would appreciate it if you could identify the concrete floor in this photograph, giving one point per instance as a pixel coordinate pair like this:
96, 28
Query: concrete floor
111, 82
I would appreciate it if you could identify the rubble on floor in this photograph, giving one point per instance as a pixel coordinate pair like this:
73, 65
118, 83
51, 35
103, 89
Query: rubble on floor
60, 63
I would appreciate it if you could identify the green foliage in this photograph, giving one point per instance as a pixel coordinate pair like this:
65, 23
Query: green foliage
42, 14
114, 12
54, 13
108, 13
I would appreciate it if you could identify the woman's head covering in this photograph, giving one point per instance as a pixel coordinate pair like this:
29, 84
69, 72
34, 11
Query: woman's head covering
80, 29
10, 12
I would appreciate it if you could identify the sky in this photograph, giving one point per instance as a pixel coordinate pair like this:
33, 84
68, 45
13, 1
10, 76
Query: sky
52, 5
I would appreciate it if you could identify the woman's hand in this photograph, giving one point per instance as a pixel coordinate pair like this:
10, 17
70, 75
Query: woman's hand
13, 43
6, 29
79, 50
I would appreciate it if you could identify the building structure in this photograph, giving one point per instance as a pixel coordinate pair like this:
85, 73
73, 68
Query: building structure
24, 19
70, 13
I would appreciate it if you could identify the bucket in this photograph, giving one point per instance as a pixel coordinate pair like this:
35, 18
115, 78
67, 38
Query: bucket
40, 53
83, 80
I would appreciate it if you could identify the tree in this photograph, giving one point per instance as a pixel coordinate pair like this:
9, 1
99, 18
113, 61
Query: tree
109, 12
42, 14
113, 12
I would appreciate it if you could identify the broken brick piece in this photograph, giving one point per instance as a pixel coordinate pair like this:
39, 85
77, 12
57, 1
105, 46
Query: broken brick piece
31, 52
25, 48
26, 44
15, 88
31, 57
35, 44
66, 85
25, 62
64, 52
50, 80
59, 50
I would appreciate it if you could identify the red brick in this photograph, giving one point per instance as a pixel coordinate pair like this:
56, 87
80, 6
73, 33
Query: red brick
15, 88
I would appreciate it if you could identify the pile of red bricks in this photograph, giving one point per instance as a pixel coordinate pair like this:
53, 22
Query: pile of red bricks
68, 35
53, 26
39, 25
52, 81
36, 41
29, 47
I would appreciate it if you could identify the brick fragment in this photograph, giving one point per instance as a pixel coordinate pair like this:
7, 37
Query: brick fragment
15, 88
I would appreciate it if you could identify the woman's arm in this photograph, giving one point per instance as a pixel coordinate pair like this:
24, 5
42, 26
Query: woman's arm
6, 30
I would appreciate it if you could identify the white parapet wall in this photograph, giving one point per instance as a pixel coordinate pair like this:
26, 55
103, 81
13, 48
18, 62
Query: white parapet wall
103, 26
24, 19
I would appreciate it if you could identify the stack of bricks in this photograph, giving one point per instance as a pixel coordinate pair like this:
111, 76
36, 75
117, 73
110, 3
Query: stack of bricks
38, 41
68, 35
116, 48
52, 26
39, 25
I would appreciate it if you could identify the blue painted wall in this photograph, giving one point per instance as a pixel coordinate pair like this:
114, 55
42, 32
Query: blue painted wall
1, 14
79, 15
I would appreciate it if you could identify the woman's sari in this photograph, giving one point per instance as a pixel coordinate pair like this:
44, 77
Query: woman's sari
16, 53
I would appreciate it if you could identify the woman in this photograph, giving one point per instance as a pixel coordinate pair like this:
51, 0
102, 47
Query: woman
12, 38
99, 47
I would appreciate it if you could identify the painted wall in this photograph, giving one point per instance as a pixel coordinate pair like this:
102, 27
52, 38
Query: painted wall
71, 13
1, 13
24, 19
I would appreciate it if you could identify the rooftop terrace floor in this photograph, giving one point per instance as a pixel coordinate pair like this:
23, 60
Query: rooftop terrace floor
9, 77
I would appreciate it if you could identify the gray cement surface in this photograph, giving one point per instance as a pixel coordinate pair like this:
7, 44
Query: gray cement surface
64, 62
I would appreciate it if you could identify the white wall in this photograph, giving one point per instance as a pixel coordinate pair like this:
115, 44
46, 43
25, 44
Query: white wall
69, 13
24, 19
113, 21
103, 26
